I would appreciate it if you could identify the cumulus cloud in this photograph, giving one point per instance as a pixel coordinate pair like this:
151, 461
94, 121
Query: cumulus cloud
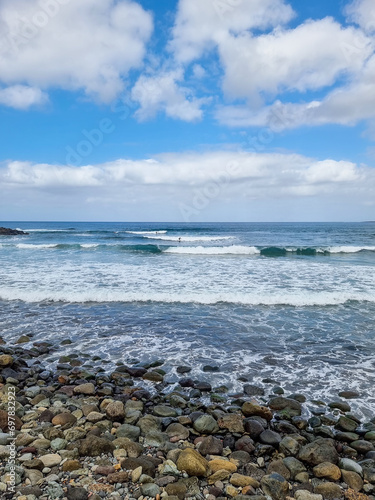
201, 25
163, 91
218, 185
362, 12
86, 45
22, 97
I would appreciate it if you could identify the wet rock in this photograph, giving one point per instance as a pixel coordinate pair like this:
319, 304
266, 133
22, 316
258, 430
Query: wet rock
362, 446
349, 394
275, 486
270, 437
177, 432
295, 466
289, 446
319, 451
5, 360
115, 411
350, 465
245, 444
86, 389
206, 424
251, 409
233, 422
346, 424
340, 405
164, 411
253, 390
253, 427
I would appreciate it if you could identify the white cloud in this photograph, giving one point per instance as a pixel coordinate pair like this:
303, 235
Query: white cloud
219, 185
346, 105
87, 45
362, 12
22, 97
162, 91
310, 57
202, 25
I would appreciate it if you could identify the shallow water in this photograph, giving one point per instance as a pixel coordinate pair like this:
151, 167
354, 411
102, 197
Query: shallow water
293, 302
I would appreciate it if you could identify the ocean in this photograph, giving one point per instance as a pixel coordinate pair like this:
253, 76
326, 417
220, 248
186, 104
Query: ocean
290, 302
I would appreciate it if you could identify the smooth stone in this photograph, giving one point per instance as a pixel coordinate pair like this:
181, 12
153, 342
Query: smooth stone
219, 464
352, 479
50, 460
128, 431
275, 486
164, 411
329, 490
210, 446
328, 471
350, 465
87, 389
251, 409
94, 446
253, 390
362, 446
289, 446
306, 495
270, 437
150, 490
206, 424
192, 463
295, 466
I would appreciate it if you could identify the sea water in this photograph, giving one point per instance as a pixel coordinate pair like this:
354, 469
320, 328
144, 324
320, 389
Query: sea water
291, 302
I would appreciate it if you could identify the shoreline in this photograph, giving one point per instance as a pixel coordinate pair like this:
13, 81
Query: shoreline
92, 435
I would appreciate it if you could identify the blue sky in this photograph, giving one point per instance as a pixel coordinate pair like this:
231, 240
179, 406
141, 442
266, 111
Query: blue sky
106, 110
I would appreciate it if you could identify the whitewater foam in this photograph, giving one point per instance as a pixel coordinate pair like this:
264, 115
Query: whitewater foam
32, 246
190, 238
232, 250
144, 232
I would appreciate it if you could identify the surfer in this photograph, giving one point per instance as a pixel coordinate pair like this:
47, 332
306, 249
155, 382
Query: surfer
179, 239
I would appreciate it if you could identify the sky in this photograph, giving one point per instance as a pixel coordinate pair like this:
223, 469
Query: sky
187, 110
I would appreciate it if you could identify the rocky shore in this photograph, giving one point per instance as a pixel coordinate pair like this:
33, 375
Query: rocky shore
82, 433
5, 231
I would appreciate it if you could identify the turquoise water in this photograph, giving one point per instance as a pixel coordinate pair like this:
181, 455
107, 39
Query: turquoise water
295, 302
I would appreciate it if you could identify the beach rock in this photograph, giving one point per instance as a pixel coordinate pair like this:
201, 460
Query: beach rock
206, 424
94, 446
54, 490
210, 446
118, 477
362, 446
241, 481
340, 405
350, 465
4, 421
328, 471
76, 493
86, 389
150, 490
115, 411
275, 486
270, 437
306, 495
71, 465
245, 444
253, 390
289, 446
5, 360
319, 451
65, 419
218, 464
295, 466
148, 467
233, 422
253, 427
128, 431
251, 409
5, 231
164, 411
352, 479
178, 489
278, 466
192, 463
349, 394
177, 432
329, 491
292, 406
346, 424
50, 460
